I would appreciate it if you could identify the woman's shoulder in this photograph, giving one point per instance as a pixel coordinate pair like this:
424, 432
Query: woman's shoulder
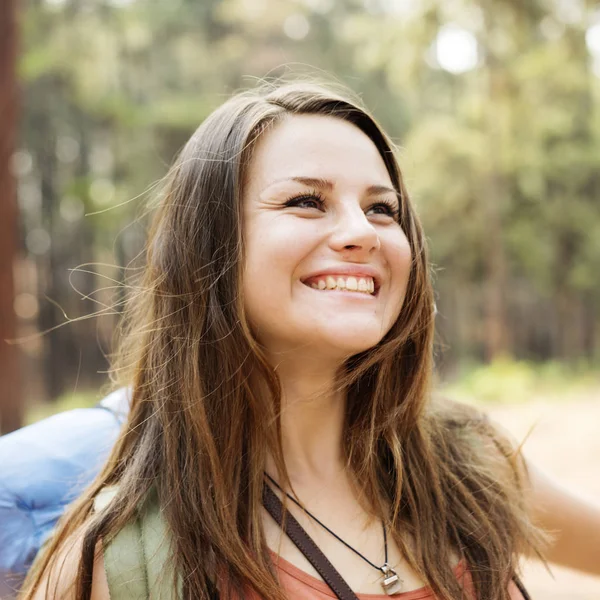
465, 435
60, 579
484, 480
126, 564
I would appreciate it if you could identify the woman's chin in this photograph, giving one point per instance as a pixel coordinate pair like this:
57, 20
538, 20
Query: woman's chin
344, 345
323, 342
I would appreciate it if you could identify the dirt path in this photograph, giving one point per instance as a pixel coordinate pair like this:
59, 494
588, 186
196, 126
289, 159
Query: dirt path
566, 444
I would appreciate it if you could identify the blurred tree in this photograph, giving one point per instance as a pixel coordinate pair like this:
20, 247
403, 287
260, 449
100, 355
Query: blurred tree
501, 155
11, 406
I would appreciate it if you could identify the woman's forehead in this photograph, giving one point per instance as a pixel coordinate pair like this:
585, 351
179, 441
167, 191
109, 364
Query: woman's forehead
319, 147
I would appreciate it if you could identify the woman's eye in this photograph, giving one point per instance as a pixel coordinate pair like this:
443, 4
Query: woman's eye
315, 200
308, 201
383, 208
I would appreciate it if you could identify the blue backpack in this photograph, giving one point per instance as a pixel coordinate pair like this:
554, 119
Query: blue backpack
43, 468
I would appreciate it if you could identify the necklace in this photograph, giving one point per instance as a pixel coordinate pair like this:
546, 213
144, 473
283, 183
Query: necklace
391, 584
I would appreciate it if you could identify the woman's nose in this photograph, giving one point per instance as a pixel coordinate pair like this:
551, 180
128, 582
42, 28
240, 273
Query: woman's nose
353, 231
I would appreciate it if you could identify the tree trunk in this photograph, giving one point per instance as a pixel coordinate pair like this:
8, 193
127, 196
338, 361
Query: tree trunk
60, 357
11, 401
495, 195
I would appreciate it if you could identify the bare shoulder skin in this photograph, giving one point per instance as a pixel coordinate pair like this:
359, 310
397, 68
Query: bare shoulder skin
58, 583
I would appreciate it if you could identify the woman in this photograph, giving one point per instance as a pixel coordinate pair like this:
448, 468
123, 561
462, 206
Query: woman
281, 340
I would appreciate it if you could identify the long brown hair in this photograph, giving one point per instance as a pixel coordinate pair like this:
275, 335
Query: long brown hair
205, 401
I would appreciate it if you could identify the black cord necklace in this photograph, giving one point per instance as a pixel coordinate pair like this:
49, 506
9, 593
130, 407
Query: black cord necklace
392, 584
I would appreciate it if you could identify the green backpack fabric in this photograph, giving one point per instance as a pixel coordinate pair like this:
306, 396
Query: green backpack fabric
136, 559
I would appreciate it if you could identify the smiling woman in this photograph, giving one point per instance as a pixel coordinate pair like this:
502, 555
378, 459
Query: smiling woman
319, 203
279, 350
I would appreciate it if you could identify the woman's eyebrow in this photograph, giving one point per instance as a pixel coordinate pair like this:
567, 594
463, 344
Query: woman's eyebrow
328, 185
378, 190
316, 182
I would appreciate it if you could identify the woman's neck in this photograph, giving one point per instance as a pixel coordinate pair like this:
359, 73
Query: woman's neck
312, 422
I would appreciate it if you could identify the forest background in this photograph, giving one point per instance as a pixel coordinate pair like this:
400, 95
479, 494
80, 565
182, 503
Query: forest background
494, 104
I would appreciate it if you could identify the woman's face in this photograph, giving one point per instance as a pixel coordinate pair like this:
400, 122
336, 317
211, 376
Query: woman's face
327, 263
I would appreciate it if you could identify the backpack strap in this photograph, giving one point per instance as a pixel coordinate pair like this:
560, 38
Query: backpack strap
135, 560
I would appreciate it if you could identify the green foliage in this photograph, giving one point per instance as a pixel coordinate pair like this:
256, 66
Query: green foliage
39, 411
503, 160
506, 380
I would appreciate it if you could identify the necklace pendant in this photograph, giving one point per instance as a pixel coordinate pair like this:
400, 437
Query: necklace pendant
391, 584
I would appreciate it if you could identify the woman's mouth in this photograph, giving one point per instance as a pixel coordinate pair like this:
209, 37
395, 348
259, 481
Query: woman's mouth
359, 285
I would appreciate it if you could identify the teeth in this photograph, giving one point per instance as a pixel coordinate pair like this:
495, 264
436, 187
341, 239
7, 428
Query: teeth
352, 284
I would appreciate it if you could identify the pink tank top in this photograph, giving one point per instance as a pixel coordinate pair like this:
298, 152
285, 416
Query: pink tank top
299, 585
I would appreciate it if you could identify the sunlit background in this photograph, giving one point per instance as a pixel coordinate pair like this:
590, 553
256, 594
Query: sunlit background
494, 106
